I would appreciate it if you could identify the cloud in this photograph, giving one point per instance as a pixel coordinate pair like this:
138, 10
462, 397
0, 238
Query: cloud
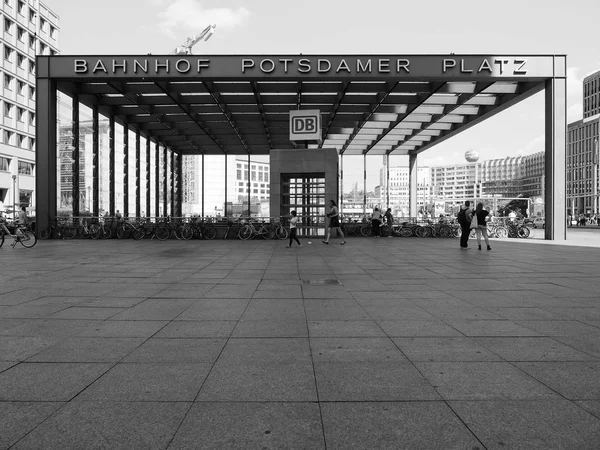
537, 144
192, 16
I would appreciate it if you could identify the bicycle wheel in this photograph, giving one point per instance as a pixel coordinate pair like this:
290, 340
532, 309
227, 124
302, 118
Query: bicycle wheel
186, 233
210, 233
523, 232
501, 232
405, 232
245, 233
139, 233
105, 232
281, 233
162, 233
46, 233
421, 232
385, 230
445, 232
366, 230
28, 239
69, 232
122, 232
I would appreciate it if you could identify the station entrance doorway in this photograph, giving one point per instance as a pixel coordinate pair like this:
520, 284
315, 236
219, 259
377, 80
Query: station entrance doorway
305, 194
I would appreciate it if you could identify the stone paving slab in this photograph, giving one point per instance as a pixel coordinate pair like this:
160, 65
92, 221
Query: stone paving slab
231, 344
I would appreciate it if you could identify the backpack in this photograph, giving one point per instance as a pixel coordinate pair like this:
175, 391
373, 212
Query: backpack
462, 216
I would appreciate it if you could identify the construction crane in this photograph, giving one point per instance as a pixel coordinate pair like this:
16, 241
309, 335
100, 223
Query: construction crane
189, 163
186, 47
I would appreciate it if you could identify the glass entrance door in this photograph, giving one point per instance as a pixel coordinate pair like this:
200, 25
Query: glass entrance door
305, 194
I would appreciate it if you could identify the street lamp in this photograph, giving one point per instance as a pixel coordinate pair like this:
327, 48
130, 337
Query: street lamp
14, 177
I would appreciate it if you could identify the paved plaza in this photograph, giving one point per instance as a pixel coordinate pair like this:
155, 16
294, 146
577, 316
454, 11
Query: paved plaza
380, 343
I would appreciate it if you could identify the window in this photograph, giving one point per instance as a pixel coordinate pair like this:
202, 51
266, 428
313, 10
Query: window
42, 24
52, 32
25, 168
21, 7
21, 87
8, 81
8, 137
7, 2
31, 15
20, 115
31, 118
21, 34
31, 92
32, 67
31, 41
4, 164
8, 109
43, 48
8, 24
20, 142
8, 52
31, 144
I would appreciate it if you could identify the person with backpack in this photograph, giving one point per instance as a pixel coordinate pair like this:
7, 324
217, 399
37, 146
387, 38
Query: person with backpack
464, 220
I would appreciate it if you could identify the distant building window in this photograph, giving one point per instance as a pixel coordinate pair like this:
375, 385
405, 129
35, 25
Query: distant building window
31, 92
31, 144
21, 87
8, 52
8, 25
21, 7
20, 115
32, 67
31, 118
8, 81
42, 24
43, 48
31, 15
31, 41
25, 168
4, 164
20, 142
8, 137
8, 109
21, 34
52, 32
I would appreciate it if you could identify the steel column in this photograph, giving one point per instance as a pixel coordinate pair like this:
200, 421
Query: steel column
341, 207
75, 155
364, 184
172, 184
45, 156
413, 185
95, 161
249, 185
387, 182
556, 139
179, 211
203, 185
138, 200
111, 165
225, 204
148, 173
125, 170
157, 181
165, 181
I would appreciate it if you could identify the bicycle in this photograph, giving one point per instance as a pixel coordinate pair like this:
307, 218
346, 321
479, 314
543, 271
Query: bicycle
280, 231
232, 225
248, 231
204, 229
64, 230
125, 230
26, 237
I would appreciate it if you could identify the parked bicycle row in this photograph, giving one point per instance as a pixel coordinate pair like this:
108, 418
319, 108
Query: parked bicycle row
163, 228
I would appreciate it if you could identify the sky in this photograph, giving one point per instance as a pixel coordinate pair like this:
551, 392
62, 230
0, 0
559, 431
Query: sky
361, 27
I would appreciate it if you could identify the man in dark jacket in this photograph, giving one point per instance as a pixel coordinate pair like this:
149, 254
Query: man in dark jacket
465, 224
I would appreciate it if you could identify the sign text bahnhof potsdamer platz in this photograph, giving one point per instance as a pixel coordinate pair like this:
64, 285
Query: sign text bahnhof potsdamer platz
430, 66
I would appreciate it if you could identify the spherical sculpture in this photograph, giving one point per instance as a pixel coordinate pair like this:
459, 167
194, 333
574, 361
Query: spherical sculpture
471, 156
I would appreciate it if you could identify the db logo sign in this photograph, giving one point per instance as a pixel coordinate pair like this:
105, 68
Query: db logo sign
305, 125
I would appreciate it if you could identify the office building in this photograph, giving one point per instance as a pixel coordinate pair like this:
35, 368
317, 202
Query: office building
29, 28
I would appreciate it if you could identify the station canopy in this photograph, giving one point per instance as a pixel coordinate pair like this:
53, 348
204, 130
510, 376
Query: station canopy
240, 105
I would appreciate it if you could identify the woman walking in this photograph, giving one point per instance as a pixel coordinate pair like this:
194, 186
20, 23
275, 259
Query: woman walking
481, 226
293, 229
334, 222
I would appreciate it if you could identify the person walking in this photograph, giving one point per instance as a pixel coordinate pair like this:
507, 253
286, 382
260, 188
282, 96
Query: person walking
376, 222
482, 226
334, 222
464, 220
293, 229
389, 219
